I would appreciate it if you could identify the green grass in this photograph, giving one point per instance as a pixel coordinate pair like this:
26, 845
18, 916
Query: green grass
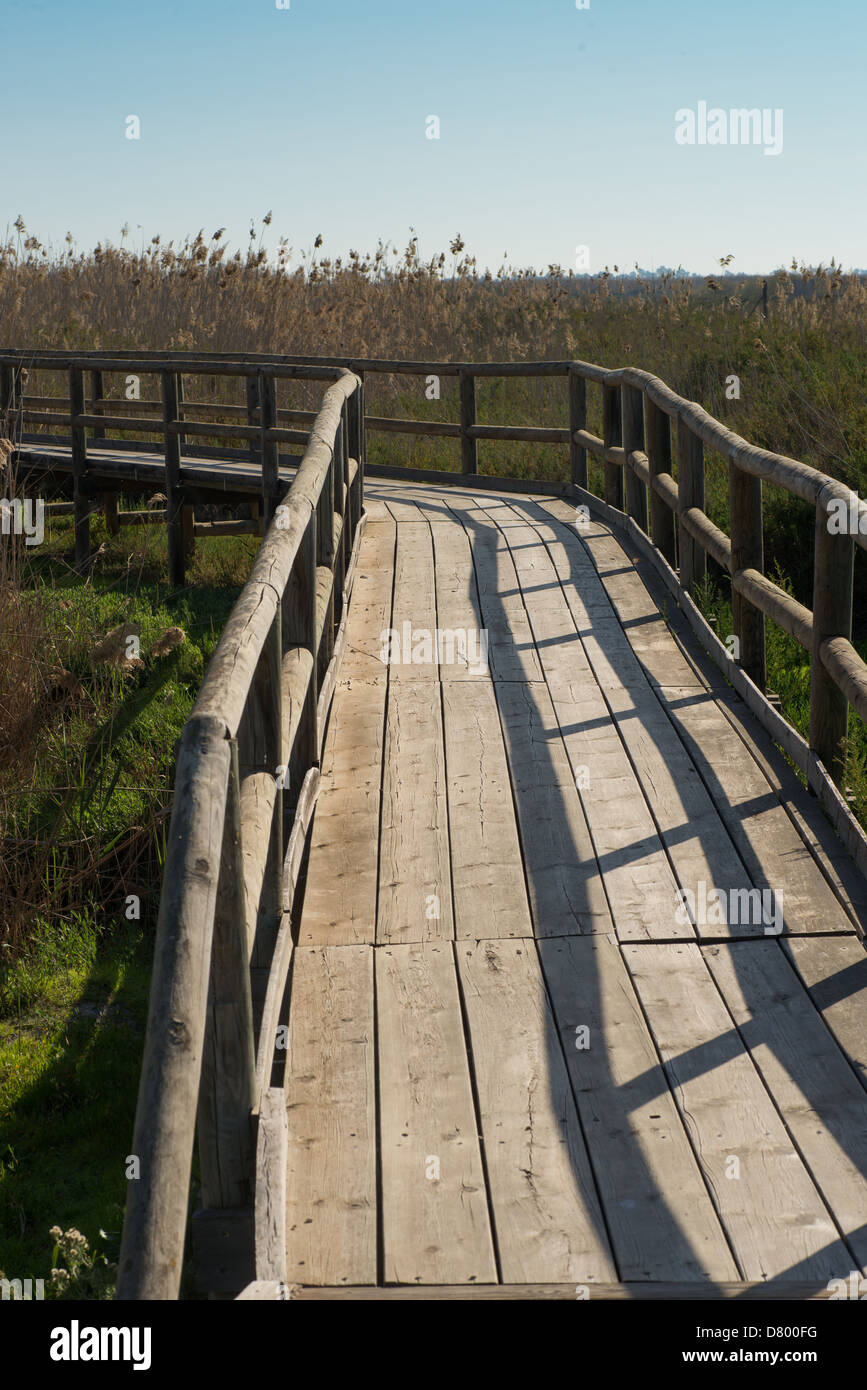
93, 780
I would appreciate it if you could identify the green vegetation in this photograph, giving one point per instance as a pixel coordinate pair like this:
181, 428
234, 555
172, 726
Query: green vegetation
87, 749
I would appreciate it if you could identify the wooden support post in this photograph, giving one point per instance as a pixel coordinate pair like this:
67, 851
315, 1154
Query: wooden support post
577, 421
174, 493
7, 400
96, 392
299, 630
357, 450
469, 458
690, 493
79, 469
658, 431
612, 435
227, 1094
188, 515
260, 751
341, 470
833, 578
109, 508
745, 506
252, 391
269, 448
632, 414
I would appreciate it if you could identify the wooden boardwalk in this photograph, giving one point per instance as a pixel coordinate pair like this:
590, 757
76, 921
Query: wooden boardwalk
514, 1057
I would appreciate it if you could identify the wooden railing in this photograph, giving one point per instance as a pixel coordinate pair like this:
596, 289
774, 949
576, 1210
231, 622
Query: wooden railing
245, 785
638, 414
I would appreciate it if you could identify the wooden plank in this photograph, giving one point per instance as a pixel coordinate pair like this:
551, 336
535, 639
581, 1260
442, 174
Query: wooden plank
340, 893
415, 899
414, 607
370, 609
775, 1218
546, 1210
465, 656
435, 1225
490, 895
595, 1292
811, 1081
330, 1103
661, 1219
834, 970
271, 1162
565, 887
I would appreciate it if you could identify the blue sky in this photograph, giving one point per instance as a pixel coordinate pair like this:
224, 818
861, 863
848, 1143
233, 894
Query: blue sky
557, 125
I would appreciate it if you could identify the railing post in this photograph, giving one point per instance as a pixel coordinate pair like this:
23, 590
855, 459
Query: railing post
469, 457
188, 515
690, 493
174, 492
577, 421
227, 1093
299, 630
269, 448
260, 751
658, 430
81, 502
833, 578
632, 414
7, 393
745, 506
96, 392
612, 434
355, 416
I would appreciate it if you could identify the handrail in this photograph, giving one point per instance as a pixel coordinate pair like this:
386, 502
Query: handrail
245, 782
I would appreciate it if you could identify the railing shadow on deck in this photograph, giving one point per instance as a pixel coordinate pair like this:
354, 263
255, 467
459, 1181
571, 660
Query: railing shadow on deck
663, 1231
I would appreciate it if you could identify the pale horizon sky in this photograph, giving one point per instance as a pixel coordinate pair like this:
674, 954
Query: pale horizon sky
556, 127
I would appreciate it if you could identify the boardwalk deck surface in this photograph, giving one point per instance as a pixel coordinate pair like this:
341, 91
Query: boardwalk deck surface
515, 1058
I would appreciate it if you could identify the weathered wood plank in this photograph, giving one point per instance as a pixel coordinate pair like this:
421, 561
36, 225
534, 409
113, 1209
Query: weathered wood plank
415, 898
271, 1162
490, 895
834, 970
435, 1224
546, 1210
330, 1102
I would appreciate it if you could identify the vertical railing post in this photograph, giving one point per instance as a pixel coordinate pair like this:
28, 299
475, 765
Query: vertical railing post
7, 378
81, 501
188, 515
97, 392
269, 448
690, 493
469, 456
251, 384
299, 630
577, 421
227, 1092
612, 435
341, 508
174, 491
632, 415
355, 416
833, 580
658, 431
745, 507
